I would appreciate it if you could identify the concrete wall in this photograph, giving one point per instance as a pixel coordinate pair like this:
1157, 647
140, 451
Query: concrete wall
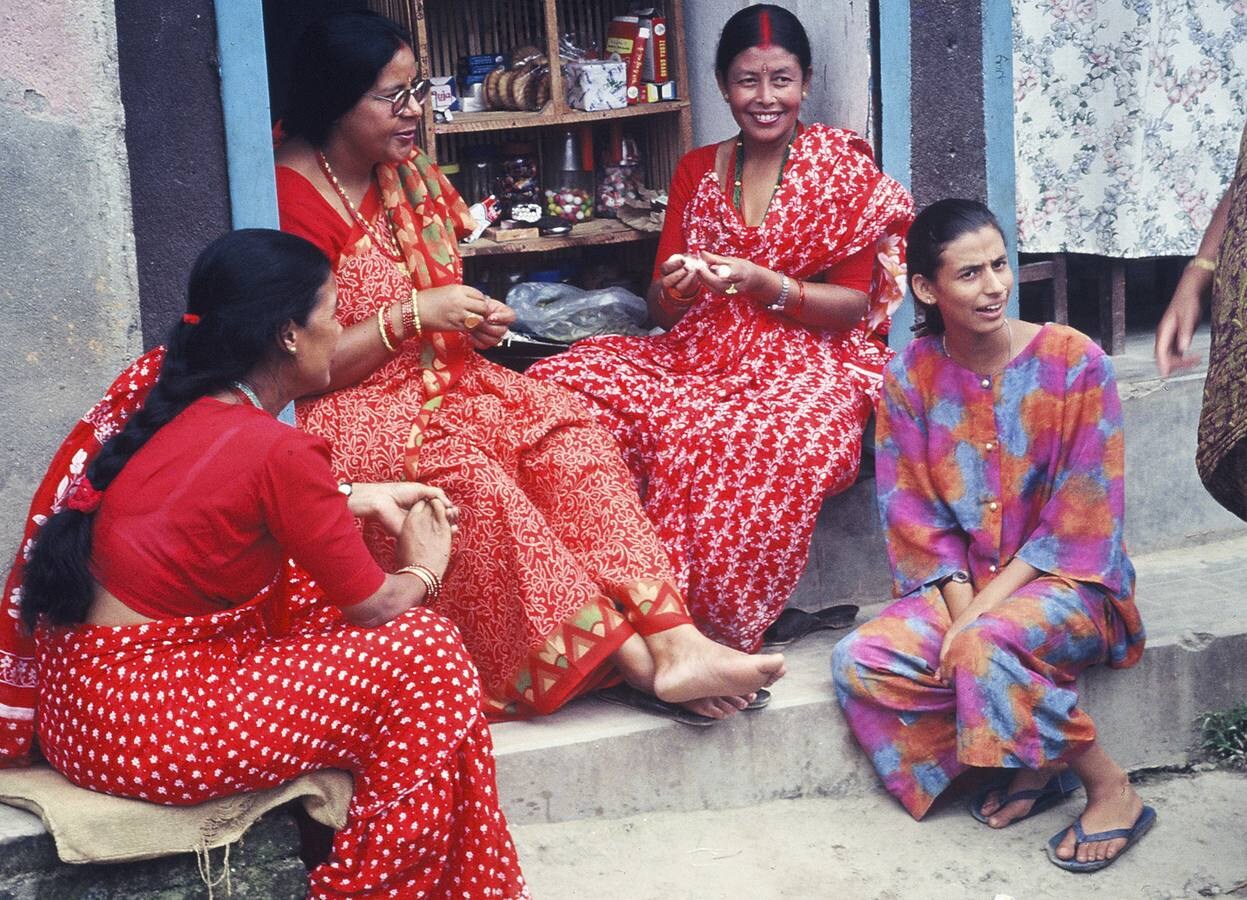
69, 315
175, 136
948, 145
840, 92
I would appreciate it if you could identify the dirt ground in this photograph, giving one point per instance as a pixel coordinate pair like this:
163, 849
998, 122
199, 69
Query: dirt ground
868, 848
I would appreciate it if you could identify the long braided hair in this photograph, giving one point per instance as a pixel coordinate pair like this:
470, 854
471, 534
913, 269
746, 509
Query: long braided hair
244, 287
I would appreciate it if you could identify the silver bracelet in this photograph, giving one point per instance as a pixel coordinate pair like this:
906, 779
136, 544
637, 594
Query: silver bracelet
781, 302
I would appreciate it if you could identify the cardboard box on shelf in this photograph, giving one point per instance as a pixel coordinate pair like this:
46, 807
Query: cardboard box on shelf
596, 84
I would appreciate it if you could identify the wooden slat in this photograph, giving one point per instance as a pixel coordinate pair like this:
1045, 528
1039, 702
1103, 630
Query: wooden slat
585, 234
499, 120
1036, 271
1060, 288
1112, 305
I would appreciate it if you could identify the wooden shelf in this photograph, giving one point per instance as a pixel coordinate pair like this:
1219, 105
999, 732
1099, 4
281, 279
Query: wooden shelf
446, 30
502, 120
585, 234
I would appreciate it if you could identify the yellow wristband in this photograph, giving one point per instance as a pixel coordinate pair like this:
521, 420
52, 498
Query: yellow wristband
1199, 262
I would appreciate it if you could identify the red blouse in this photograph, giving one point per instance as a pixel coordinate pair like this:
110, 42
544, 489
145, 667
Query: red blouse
304, 211
202, 517
853, 272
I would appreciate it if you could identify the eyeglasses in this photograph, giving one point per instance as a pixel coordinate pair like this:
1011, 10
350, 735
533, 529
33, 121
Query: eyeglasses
417, 90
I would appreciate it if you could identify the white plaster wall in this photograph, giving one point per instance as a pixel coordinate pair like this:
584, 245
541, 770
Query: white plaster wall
839, 38
69, 313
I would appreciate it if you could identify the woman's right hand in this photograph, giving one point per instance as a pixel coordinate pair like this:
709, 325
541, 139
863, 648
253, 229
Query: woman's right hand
388, 503
423, 539
678, 279
426, 536
1177, 326
446, 308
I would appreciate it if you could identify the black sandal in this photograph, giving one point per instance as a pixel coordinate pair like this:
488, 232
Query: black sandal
794, 623
626, 695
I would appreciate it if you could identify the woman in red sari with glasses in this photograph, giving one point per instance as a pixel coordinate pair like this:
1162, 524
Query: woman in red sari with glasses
558, 582
776, 271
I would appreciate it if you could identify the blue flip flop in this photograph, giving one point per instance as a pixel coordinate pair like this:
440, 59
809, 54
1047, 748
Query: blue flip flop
1059, 786
1141, 826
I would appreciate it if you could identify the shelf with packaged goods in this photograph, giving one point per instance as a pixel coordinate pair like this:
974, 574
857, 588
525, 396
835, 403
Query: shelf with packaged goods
502, 120
584, 234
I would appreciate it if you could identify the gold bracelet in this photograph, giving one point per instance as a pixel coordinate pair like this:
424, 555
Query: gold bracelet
385, 337
432, 584
1199, 262
411, 316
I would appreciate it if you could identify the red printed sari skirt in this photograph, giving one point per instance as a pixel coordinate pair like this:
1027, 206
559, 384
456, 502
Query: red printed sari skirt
185, 710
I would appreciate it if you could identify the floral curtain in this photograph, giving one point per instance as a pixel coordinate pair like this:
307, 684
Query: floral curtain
1128, 115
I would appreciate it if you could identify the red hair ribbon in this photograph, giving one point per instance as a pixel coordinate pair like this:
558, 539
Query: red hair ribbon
764, 29
83, 496
190, 318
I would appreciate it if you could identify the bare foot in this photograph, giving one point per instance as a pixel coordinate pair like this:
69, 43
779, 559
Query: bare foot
1114, 805
718, 707
690, 666
1025, 780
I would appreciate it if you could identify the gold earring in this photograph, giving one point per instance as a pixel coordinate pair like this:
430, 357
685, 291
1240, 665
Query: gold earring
291, 349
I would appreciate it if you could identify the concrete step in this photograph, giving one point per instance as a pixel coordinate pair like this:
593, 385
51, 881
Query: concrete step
857, 848
1166, 506
593, 760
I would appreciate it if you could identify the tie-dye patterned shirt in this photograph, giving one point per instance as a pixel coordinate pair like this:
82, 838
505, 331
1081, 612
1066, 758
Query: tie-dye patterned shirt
975, 470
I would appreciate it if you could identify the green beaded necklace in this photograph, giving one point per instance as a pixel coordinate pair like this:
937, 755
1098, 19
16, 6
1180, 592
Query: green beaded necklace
740, 168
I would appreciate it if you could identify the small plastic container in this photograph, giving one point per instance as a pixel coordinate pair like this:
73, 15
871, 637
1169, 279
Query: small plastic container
477, 172
568, 179
621, 177
517, 183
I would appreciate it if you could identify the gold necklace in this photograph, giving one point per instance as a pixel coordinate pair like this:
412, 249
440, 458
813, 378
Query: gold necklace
389, 248
1008, 357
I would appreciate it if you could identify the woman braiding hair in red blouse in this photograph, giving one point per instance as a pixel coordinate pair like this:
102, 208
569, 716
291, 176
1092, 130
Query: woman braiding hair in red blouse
179, 657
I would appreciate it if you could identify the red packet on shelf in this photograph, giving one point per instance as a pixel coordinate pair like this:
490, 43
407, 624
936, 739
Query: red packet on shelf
654, 66
627, 39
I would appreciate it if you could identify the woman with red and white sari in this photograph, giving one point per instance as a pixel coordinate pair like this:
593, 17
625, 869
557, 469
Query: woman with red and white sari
777, 269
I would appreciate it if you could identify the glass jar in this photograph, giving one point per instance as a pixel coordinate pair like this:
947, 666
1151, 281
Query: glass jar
477, 172
568, 176
517, 187
621, 178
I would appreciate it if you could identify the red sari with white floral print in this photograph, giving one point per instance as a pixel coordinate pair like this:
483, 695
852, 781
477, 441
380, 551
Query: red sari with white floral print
555, 564
738, 422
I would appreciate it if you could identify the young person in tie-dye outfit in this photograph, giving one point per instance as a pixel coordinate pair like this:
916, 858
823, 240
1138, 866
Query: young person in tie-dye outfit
1000, 476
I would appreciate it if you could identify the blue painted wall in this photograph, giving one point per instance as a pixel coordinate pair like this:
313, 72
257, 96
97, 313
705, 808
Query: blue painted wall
946, 85
245, 101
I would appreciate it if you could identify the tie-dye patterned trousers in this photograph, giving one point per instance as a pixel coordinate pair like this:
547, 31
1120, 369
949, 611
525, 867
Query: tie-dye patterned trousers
1011, 703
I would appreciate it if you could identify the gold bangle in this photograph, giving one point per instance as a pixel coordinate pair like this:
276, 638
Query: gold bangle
1199, 262
432, 584
411, 315
385, 337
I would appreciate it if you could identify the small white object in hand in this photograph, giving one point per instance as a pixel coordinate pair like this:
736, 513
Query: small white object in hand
690, 261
